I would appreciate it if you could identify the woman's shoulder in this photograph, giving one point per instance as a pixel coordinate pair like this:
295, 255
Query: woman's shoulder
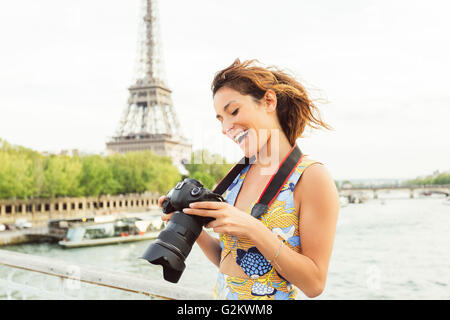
312, 169
304, 163
315, 178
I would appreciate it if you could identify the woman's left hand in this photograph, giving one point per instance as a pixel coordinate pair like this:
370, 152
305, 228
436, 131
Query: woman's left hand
228, 219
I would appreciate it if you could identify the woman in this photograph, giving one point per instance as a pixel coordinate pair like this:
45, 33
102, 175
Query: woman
265, 110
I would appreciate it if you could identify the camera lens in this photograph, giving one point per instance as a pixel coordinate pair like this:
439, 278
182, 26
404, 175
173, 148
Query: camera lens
175, 242
173, 245
195, 191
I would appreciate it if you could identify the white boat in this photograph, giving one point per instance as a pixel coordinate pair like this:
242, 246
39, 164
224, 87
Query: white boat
110, 231
343, 201
107, 240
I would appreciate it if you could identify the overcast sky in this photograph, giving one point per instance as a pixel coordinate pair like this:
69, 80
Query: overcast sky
383, 66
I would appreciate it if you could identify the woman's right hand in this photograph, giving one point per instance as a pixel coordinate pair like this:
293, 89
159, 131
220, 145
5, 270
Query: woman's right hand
165, 217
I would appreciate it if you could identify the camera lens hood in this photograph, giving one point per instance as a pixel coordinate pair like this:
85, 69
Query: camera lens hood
159, 253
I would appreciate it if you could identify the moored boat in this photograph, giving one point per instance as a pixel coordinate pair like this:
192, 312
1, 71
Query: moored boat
111, 230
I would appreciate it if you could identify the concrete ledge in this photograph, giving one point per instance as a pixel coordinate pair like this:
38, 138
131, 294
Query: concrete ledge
102, 277
13, 237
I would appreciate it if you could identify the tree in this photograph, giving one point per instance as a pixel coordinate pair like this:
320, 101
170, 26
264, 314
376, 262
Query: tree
97, 177
442, 178
143, 171
208, 168
16, 174
26, 173
62, 177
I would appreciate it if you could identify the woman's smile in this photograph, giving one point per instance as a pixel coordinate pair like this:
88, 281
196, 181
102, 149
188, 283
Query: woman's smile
241, 136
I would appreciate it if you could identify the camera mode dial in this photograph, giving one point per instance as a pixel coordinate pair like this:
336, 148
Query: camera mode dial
196, 191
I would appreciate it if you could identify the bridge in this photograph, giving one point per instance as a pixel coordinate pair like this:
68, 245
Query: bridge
355, 193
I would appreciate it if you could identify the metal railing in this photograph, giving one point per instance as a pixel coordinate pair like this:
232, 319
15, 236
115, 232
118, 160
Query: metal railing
76, 274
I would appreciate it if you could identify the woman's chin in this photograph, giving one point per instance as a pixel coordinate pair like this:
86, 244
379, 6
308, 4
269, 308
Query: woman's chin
249, 145
249, 154
249, 149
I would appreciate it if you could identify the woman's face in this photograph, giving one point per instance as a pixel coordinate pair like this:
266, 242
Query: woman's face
245, 121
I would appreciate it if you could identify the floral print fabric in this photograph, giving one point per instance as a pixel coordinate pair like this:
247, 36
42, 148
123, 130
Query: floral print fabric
263, 282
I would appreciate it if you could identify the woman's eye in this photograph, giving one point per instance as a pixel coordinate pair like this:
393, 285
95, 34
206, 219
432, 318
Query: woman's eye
235, 112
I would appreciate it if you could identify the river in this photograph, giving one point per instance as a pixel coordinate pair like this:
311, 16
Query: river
389, 248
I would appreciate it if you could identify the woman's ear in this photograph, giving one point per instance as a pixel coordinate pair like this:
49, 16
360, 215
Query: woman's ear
270, 100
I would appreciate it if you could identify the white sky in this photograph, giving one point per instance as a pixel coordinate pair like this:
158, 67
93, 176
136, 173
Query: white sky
65, 67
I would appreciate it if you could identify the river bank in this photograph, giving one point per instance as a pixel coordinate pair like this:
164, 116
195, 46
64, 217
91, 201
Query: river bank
389, 248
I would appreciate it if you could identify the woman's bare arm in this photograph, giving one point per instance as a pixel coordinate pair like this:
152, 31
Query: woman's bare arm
318, 199
210, 247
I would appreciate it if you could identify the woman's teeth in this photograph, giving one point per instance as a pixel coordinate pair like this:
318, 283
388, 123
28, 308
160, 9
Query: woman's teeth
240, 136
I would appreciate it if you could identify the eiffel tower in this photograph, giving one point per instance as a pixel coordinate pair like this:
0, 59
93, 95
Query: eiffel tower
149, 121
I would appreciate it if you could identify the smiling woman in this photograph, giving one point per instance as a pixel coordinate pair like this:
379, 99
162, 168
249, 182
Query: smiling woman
295, 110
289, 246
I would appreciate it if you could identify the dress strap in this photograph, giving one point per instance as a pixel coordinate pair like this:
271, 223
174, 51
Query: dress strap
302, 166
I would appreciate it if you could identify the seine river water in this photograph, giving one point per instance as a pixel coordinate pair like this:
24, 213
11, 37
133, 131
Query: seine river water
389, 248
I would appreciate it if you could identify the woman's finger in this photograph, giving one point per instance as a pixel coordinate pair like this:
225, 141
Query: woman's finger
161, 200
208, 205
167, 217
223, 229
213, 224
202, 212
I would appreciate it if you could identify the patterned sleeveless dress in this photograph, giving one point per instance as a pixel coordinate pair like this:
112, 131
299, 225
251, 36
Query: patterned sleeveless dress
263, 282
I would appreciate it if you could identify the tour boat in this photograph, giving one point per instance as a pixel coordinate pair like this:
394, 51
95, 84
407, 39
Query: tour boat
111, 230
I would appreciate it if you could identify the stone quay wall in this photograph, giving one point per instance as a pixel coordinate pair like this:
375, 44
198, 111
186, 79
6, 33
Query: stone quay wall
39, 211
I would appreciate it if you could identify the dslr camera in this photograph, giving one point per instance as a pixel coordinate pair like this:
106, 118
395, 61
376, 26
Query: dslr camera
175, 242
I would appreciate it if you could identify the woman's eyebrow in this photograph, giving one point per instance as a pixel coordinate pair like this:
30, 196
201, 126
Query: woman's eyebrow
225, 107
228, 104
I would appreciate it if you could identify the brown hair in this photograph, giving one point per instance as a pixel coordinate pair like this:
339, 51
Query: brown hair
295, 110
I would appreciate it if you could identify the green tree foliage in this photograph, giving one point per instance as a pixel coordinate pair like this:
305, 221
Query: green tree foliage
136, 172
25, 173
208, 168
62, 177
17, 174
97, 177
441, 178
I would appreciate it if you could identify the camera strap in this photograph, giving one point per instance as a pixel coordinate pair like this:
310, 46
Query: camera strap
273, 187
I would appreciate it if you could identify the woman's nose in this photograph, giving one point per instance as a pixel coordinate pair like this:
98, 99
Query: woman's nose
226, 128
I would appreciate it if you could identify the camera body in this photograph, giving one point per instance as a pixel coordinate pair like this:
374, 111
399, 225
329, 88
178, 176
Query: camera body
175, 242
186, 192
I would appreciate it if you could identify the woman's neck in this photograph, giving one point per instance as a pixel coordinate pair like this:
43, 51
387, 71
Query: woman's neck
272, 153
